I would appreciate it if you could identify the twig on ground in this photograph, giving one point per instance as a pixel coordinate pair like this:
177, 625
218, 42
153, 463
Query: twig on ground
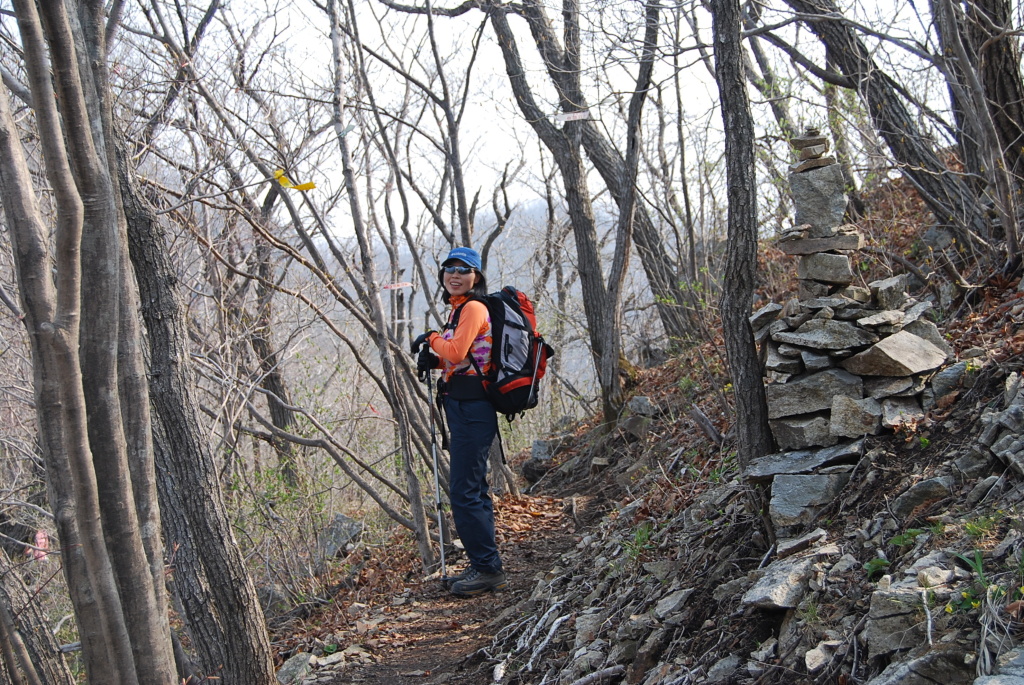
598, 676
927, 613
551, 633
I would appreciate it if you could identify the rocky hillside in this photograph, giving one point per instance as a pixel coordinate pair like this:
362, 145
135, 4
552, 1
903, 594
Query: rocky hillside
912, 573
642, 556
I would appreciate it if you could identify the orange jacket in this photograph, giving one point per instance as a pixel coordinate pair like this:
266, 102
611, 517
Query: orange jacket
473, 333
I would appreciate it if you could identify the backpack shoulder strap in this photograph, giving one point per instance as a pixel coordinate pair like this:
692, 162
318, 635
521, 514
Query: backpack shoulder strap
454, 320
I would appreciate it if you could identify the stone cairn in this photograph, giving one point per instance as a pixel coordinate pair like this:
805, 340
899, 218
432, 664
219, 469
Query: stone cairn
842, 361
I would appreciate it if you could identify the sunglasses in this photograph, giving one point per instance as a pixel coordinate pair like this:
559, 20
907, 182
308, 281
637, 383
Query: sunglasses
461, 270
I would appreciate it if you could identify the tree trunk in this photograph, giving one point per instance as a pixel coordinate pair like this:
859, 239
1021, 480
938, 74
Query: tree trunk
998, 51
564, 146
223, 614
266, 356
982, 126
398, 399
610, 362
114, 374
661, 272
107, 527
752, 434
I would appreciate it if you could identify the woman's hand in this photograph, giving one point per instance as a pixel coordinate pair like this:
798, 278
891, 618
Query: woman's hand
426, 362
420, 339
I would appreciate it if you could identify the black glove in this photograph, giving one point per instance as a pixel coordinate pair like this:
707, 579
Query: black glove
422, 338
425, 363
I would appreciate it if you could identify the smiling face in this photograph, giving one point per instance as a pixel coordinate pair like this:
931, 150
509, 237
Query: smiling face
459, 284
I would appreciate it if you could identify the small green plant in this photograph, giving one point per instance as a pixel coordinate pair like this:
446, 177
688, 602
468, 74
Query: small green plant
330, 649
908, 538
923, 442
686, 385
937, 528
875, 567
980, 527
809, 612
975, 564
963, 602
641, 541
985, 591
971, 597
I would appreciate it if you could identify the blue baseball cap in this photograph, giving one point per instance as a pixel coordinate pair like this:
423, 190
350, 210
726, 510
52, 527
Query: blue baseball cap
466, 255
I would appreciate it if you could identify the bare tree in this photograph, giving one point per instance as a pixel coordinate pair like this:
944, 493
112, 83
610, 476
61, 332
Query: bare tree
221, 610
115, 589
753, 437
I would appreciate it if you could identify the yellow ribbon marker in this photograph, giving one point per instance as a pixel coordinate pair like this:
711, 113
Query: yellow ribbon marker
286, 182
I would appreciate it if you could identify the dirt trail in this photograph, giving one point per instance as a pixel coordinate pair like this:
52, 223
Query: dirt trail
425, 636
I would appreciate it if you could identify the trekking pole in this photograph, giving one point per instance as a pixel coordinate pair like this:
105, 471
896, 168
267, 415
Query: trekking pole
437, 471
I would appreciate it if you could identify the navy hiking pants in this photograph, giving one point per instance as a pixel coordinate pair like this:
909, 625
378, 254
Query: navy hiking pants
473, 425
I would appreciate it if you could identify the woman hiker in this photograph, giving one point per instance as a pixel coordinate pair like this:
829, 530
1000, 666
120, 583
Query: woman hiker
472, 421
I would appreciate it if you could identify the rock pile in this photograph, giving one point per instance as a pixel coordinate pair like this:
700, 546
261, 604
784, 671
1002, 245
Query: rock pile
842, 360
1003, 433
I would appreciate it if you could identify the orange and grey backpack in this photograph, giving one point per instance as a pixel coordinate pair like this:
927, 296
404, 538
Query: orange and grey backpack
519, 354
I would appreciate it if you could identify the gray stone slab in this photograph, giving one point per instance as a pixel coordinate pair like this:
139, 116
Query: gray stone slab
948, 379
943, 663
815, 361
1011, 662
804, 461
826, 267
923, 328
797, 499
811, 394
894, 621
811, 138
819, 198
782, 586
853, 241
889, 292
851, 418
807, 289
885, 387
856, 292
901, 354
812, 151
888, 317
827, 334
764, 315
916, 311
787, 350
921, 495
776, 361
799, 432
834, 302
814, 163
897, 411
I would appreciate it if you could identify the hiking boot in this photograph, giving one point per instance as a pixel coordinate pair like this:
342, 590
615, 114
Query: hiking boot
450, 580
475, 582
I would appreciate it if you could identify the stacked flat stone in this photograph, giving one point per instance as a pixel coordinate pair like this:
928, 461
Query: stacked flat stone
842, 361
1003, 431
843, 367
